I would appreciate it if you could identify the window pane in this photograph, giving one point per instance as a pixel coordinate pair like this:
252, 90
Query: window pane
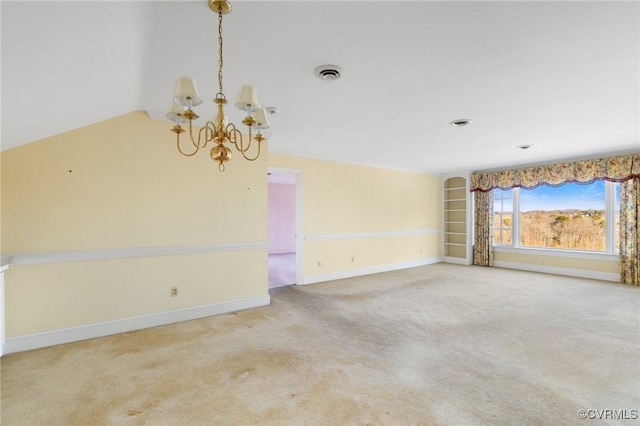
502, 216
570, 216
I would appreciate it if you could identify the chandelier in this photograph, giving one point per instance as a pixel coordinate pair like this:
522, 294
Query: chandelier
218, 131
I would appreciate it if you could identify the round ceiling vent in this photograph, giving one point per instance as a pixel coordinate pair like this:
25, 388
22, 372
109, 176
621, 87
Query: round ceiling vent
328, 72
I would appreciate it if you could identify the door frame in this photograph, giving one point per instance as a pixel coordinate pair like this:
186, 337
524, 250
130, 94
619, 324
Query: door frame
298, 215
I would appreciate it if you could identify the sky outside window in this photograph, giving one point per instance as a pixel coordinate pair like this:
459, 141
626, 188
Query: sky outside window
571, 196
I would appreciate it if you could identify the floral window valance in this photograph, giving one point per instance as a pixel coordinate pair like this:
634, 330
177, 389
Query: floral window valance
617, 169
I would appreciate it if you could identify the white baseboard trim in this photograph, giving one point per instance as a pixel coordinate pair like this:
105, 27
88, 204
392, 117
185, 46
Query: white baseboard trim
74, 334
580, 273
369, 270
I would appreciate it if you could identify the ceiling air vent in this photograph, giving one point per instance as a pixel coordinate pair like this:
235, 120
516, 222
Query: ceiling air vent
328, 72
460, 122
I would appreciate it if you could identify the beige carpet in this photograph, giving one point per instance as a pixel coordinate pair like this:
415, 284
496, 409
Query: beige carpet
441, 344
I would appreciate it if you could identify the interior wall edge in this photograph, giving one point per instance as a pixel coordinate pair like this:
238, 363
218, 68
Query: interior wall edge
39, 258
74, 334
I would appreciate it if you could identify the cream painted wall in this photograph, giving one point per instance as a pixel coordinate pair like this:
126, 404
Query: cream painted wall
122, 184
56, 296
360, 217
336, 255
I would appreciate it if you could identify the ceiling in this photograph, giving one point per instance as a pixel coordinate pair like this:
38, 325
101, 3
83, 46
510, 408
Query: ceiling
562, 76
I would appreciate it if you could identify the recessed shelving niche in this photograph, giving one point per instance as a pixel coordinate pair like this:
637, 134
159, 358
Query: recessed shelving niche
457, 219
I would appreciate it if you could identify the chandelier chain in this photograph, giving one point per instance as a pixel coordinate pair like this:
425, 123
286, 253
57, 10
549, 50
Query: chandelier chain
220, 62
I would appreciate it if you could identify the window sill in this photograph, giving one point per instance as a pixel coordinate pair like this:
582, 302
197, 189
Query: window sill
558, 253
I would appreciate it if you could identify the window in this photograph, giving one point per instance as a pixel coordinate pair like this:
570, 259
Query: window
502, 216
578, 217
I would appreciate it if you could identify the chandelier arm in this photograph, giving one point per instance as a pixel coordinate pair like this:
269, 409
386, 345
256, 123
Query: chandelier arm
232, 135
199, 140
210, 132
207, 132
254, 158
230, 128
212, 127
193, 141
181, 151
240, 146
237, 134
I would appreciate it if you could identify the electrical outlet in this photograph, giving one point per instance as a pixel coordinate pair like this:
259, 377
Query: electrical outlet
353, 259
174, 291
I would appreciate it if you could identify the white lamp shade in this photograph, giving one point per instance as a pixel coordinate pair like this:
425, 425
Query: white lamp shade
247, 99
186, 88
174, 109
261, 119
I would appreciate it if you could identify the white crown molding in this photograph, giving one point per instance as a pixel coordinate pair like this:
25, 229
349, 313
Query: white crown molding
369, 270
327, 237
74, 334
353, 163
22, 259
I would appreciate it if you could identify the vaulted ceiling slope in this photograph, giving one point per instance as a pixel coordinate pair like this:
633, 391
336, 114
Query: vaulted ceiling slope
561, 76
69, 64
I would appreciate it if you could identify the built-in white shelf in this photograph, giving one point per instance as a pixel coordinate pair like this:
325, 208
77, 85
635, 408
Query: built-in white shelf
456, 223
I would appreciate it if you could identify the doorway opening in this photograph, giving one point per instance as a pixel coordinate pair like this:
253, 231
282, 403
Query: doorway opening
284, 227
